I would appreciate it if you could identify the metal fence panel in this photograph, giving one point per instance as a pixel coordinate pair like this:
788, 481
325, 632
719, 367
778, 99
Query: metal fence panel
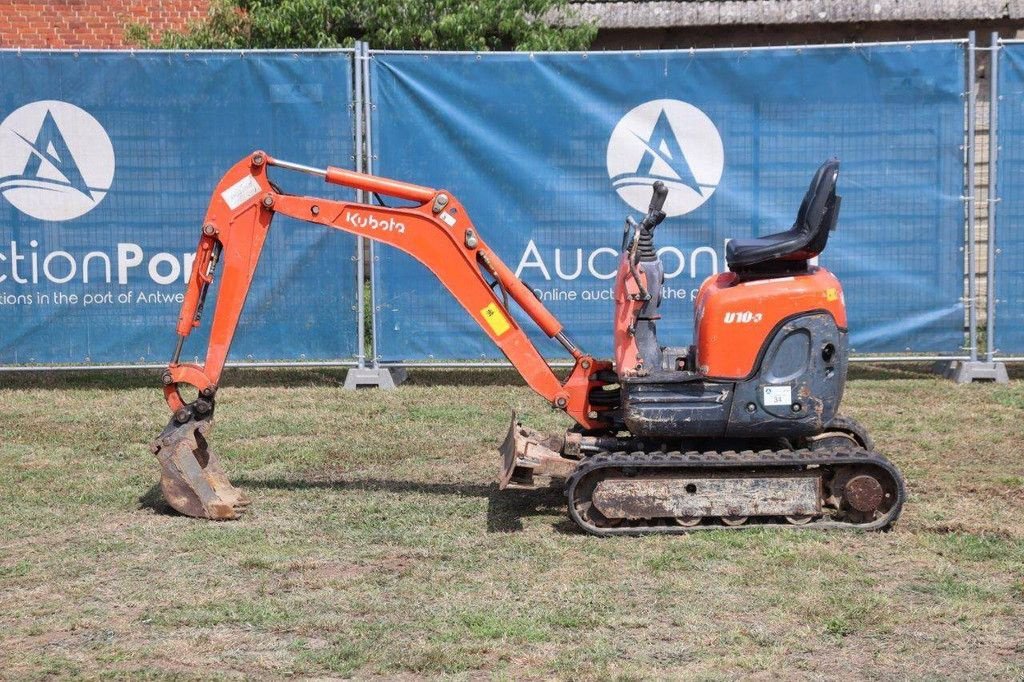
1007, 267
549, 152
107, 161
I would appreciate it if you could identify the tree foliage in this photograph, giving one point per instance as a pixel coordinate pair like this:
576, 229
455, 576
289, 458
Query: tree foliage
388, 24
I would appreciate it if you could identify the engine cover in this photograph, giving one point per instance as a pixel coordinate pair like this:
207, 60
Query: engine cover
735, 316
795, 390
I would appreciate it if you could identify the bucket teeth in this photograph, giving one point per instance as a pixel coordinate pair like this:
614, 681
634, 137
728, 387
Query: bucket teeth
191, 477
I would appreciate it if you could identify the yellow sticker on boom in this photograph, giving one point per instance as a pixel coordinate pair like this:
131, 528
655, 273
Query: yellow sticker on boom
831, 295
496, 319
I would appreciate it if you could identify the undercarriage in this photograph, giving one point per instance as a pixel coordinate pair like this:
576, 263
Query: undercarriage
832, 480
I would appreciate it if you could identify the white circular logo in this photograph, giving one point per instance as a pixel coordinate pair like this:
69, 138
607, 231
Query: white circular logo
671, 141
56, 161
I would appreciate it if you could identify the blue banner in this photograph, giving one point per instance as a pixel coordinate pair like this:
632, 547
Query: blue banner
1008, 268
107, 162
549, 152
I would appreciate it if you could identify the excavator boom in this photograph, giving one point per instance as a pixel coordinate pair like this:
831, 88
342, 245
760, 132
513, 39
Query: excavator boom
437, 231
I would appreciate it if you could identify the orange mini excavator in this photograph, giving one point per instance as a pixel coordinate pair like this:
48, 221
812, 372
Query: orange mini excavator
739, 429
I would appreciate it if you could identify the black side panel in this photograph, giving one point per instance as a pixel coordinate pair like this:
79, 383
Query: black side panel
799, 385
794, 392
662, 405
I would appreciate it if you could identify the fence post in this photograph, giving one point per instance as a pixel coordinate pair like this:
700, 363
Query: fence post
362, 376
368, 103
970, 200
361, 198
974, 369
998, 368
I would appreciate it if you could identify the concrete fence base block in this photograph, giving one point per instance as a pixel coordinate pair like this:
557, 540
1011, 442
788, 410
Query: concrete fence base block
967, 371
383, 378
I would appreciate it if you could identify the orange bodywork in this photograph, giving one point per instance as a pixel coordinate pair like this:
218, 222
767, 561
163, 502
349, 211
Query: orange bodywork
437, 232
627, 303
734, 318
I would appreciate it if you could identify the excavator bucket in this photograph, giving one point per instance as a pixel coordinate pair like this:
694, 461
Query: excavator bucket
191, 477
527, 453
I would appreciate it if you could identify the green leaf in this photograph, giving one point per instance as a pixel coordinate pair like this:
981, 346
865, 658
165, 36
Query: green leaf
384, 24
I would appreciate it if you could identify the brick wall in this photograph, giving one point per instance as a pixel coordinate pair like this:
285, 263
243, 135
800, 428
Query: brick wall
88, 23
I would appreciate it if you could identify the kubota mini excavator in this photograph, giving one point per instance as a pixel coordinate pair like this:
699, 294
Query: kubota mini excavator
739, 429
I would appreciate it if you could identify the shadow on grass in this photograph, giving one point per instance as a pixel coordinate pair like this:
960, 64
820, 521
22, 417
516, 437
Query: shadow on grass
153, 499
506, 509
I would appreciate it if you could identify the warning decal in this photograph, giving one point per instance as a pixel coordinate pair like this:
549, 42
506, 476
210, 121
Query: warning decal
496, 319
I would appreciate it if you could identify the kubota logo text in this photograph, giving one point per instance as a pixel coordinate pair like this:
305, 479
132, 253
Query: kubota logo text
369, 222
671, 141
56, 160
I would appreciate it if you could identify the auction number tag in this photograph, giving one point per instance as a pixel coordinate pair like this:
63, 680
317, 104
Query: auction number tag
777, 395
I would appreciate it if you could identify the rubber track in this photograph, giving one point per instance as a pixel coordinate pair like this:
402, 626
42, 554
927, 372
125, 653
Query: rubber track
764, 461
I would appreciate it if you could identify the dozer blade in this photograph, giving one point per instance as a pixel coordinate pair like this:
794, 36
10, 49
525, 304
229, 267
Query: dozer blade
526, 453
191, 477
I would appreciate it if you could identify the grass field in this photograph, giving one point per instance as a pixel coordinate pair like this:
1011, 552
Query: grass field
378, 545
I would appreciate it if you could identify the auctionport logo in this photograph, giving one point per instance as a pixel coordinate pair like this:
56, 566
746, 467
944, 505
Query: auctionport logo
56, 160
671, 141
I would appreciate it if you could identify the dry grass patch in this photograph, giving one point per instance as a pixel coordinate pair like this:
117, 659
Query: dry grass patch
378, 545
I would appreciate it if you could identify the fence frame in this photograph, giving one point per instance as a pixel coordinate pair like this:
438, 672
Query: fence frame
974, 369
364, 156
969, 298
994, 199
357, 92
359, 153
969, 198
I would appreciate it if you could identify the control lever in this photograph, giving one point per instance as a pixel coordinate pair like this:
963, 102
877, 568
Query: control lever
658, 197
654, 213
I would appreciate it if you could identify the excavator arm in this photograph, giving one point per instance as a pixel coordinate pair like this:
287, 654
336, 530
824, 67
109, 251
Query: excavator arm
437, 231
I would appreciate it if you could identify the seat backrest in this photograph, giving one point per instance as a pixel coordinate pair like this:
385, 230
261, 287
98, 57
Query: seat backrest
819, 211
790, 251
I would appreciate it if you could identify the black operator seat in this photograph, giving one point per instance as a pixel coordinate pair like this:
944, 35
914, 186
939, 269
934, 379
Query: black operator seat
789, 251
